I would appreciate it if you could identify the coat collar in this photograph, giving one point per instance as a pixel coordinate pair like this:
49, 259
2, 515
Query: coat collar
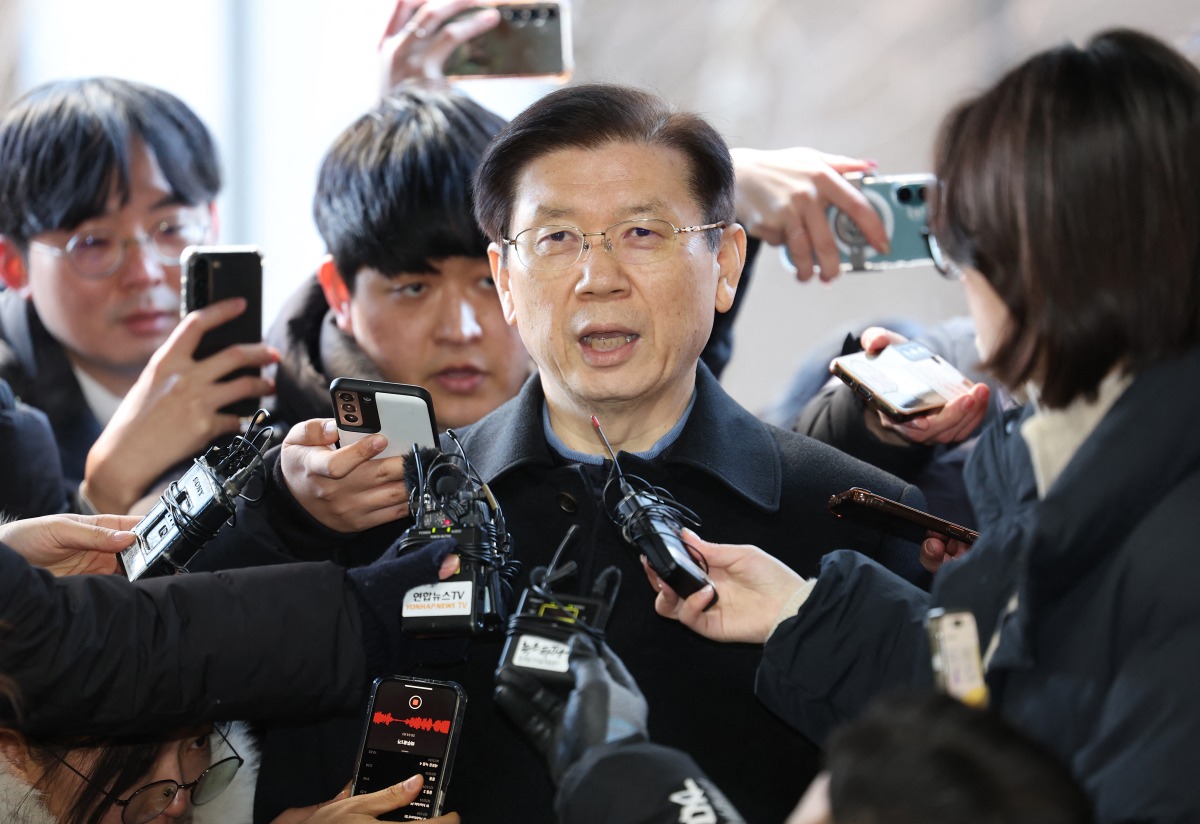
721, 439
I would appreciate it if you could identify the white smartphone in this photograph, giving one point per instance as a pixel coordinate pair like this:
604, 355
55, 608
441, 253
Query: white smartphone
903, 380
401, 412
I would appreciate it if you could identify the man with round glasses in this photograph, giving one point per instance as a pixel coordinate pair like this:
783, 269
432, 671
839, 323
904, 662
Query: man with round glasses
103, 183
613, 245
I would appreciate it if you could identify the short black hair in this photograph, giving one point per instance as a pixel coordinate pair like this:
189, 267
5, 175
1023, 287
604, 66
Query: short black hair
394, 189
1071, 186
925, 758
64, 144
590, 116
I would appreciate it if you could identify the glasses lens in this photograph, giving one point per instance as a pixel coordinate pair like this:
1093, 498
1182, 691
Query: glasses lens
641, 241
171, 237
95, 253
149, 802
546, 248
213, 781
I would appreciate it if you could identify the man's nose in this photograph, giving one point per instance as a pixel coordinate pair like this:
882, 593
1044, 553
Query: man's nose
458, 321
141, 264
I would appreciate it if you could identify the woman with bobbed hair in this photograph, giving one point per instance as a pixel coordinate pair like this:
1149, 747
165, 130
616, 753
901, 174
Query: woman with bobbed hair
1069, 202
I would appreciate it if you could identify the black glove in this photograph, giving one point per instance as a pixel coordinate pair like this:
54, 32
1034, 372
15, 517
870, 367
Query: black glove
380, 588
604, 707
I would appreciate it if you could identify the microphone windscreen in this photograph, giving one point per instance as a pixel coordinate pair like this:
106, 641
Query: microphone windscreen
426, 455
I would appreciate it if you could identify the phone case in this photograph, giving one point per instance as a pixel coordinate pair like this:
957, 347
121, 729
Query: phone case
532, 40
400, 411
213, 273
412, 726
903, 380
902, 204
894, 517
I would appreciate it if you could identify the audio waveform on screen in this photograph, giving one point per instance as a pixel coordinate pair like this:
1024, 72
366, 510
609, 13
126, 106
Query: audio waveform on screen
416, 722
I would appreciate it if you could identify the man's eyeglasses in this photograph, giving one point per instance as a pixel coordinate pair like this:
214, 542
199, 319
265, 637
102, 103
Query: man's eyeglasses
148, 802
553, 248
97, 253
945, 266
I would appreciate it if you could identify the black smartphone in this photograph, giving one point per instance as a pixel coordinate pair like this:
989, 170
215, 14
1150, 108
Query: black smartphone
213, 273
531, 40
400, 411
894, 517
412, 726
903, 381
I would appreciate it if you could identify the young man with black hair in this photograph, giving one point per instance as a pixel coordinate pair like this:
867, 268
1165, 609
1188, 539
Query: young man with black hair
405, 293
103, 183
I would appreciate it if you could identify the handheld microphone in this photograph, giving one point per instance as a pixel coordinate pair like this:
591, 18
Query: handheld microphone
650, 520
193, 509
449, 499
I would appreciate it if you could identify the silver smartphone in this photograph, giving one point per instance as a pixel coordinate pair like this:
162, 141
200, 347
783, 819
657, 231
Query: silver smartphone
531, 40
403, 413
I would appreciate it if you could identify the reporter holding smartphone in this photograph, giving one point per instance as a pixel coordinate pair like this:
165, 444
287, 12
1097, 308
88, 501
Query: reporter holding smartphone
89, 251
1084, 599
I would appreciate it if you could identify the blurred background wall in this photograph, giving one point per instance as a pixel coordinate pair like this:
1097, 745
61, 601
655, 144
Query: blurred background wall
276, 80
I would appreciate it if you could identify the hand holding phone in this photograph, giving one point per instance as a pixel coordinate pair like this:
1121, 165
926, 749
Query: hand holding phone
895, 518
902, 380
532, 39
412, 727
213, 273
403, 413
902, 204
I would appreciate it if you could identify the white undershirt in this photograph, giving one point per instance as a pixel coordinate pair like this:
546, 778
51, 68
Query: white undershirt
102, 402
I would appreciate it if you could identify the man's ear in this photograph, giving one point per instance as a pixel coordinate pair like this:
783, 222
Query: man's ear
731, 257
12, 266
15, 752
503, 284
337, 293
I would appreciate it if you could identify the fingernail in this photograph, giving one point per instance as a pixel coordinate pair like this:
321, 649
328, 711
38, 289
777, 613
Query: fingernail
376, 443
411, 783
330, 427
123, 536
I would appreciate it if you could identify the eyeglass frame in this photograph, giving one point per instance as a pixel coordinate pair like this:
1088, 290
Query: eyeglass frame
585, 248
65, 251
190, 786
946, 267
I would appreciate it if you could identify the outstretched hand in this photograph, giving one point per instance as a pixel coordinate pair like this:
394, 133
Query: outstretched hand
417, 38
361, 808
71, 544
754, 587
782, 197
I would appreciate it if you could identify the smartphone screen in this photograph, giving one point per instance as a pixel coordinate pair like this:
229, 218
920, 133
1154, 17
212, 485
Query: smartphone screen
213, 273
531, 40
412, 727
903, 380
403, 413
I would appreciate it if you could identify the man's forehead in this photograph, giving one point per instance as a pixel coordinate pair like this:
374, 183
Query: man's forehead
621, 179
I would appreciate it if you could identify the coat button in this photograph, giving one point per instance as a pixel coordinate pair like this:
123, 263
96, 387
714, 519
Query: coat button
567, 502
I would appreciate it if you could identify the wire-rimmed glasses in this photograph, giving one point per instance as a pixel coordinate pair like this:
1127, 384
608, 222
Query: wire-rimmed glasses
97, 253
636, 242
147, 803
946, 267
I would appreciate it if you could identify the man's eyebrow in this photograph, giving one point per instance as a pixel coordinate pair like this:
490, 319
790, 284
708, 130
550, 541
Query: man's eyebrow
171, 199
648, 208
